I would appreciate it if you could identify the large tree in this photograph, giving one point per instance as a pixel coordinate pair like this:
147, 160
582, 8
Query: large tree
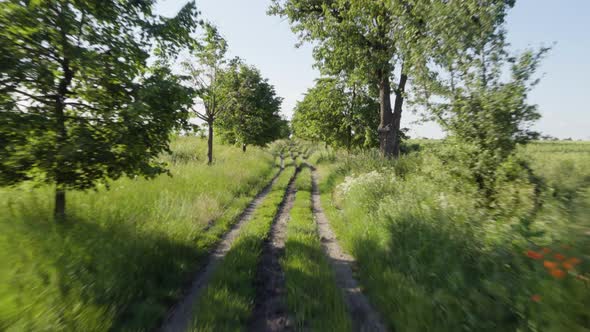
206, 72
253, 118
337, 113
382, 41
78, 101
364, 40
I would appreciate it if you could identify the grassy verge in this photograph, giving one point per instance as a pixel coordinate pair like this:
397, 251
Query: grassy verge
312, 293
431, 259
226, 303
126, 252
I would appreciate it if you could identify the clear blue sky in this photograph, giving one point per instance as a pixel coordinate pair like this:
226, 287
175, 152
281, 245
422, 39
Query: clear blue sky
268, 43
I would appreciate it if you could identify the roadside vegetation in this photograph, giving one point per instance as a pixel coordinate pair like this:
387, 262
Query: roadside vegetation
129, 251
312, 294
433, 257
485, 230
226, 303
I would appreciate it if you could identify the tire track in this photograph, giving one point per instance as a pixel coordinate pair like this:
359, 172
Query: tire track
180, 315
363, 315
270, 310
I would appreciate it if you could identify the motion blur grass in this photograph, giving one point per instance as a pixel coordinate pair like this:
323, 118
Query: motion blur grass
312, 294
431, 258
226, 304
125, 253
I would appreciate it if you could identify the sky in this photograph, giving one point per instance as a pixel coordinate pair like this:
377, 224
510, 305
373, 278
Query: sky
268, 43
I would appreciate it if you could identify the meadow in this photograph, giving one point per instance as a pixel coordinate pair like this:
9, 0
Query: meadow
126, 252
432, 257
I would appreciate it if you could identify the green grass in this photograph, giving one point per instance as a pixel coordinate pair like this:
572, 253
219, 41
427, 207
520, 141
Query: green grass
312, 294
431, 259
226, 304
126, 252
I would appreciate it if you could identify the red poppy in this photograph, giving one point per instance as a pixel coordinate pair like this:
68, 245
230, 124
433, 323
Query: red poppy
550, 265
558, 273
559, 257
574, 261
567, 265
534, 254
536, 298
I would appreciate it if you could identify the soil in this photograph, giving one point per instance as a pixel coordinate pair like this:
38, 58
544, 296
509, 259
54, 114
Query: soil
363, 316
270, 309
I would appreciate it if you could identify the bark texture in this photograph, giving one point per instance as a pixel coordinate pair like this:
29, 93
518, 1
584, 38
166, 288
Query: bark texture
210, 144
397, 114
386, 130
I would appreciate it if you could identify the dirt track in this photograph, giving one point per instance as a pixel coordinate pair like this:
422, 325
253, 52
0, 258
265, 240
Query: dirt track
180, 316
270, 310
364, 317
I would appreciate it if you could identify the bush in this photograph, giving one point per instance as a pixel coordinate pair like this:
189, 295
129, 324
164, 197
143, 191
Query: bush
435, 255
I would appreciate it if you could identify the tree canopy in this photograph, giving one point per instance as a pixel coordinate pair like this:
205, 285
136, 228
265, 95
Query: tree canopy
79, 102
338, 115
253, 117
380, 42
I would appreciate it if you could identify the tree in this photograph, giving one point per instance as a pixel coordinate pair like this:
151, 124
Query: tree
366, 40
78, 102
206, 75
338, 115
253, 117
380, 41
483, 110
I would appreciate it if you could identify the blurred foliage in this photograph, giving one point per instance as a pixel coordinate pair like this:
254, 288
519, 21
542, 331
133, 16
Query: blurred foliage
79, 102
341, 116
130, 250
433, 257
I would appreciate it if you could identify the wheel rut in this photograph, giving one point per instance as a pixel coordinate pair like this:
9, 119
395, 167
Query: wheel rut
364, 316
270, 310
180, 315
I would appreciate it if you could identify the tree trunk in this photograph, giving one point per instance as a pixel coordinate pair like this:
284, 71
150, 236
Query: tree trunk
386, 130
210, 144
243, 147
61, 139
59, 213
397, 113
350, 117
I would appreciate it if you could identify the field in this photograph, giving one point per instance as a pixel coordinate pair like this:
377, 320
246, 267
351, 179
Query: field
427, 255
127, 252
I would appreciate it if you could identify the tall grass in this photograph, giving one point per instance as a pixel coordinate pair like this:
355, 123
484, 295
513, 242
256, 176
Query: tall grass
125, 253
432, 259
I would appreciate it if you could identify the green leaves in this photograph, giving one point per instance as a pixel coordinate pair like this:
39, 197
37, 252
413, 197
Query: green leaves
78, 102
336, 114
253, 116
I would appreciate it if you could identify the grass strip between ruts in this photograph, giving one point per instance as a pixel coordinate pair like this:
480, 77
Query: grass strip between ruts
312, 293
226, 303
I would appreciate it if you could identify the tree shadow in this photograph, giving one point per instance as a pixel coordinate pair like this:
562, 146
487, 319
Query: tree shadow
86, 276
433, 277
